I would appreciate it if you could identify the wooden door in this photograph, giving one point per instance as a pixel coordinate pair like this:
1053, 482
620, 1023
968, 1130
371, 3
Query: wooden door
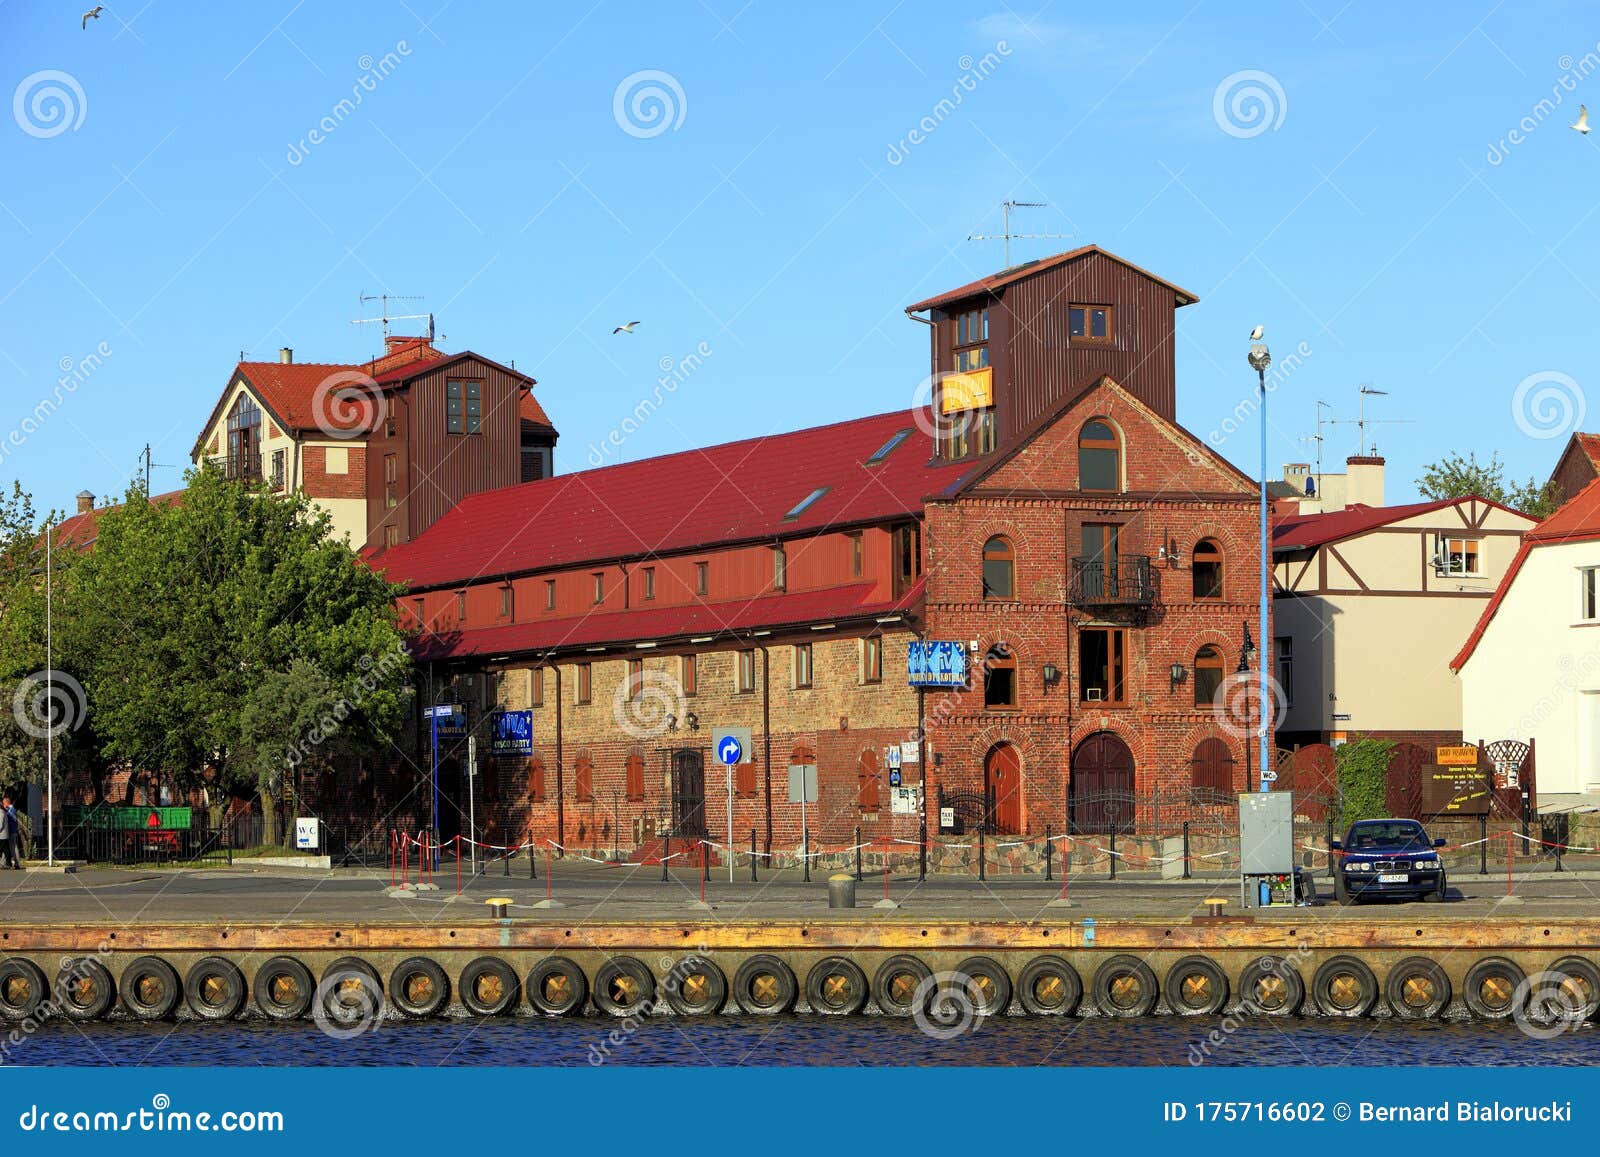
1102, 785
688, 793
1002, 784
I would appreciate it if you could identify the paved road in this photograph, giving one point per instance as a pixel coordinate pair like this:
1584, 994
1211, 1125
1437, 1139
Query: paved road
121, 898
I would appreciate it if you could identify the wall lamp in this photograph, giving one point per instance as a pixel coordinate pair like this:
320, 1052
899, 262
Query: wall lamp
1052, 675
672, 723
693, 721
1178, 674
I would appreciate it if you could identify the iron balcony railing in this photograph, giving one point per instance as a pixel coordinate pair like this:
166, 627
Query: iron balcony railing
1124, 580
247, 466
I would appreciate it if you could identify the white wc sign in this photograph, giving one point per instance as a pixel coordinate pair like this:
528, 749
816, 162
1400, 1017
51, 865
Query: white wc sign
306, 832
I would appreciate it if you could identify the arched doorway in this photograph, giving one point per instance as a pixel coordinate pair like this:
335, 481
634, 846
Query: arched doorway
688, 793
1102, 785
1002, 785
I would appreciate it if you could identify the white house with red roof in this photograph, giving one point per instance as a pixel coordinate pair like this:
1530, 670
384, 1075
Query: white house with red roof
1530, 668
1370, 604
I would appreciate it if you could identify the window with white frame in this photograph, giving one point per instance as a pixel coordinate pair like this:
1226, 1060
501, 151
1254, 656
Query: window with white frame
1457, 555
1588, 606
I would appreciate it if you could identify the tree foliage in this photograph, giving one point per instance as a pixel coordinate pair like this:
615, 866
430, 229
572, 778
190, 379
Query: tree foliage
210, 633
1363, 769
1456, 477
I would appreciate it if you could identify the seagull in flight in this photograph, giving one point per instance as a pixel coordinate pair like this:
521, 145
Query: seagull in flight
1583, 120
94, 14
1258, 333
624, 328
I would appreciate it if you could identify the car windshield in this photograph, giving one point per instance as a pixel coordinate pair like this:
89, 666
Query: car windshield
1387, 836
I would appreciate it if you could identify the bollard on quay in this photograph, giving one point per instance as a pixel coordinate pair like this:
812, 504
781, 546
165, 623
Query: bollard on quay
841, 890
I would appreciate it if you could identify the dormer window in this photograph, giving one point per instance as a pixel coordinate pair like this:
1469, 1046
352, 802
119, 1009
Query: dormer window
1089, 324
463, 406
966, 397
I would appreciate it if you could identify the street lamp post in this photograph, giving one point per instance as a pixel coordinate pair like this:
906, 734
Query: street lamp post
1260, 358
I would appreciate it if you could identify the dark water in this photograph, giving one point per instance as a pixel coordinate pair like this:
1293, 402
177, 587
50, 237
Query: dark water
808, 1040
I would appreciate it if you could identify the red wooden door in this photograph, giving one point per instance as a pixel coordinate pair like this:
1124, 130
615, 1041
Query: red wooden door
1002, 781
1102, 785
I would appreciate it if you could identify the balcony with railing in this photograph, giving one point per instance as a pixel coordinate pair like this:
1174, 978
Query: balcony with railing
1123, 580
238, 466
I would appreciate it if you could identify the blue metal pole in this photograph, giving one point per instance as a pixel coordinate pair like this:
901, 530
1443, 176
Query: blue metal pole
1263, 639
433, 817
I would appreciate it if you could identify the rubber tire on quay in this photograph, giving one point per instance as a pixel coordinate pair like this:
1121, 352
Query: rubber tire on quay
332, 1006
1394, 988
1329, 972
483, 968
289, 969
1487, 969
168, 997
623, 971
716, 991
782, 977
855, 995
1581, 969
1049, 968
1214, 1002
982, 968
101, 994
234, 990
1133, 968
400, 980
1294, 987
14, 971
897, 984
572, 977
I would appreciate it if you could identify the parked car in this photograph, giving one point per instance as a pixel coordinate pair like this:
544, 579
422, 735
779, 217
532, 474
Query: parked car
1387, 858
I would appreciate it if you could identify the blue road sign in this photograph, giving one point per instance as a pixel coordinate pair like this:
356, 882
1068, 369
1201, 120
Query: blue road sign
729, 751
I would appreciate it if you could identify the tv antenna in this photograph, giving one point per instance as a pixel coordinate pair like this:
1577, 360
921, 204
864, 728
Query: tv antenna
1362, 421
146, 464
1318, 439
386, 317
1007, 235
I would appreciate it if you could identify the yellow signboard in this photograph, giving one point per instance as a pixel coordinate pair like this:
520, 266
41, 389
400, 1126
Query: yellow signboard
1457, 756
966, 391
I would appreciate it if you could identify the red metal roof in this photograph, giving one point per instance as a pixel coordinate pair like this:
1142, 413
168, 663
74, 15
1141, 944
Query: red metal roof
655, 623
1578, 520
1307, 530
1017, 272
739, 491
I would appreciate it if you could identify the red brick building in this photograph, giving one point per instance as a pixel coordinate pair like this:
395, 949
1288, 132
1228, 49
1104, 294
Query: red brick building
1044, 510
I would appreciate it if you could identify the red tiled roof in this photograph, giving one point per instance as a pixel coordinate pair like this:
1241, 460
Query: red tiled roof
1578, 520
1306, 530
81, 530
531, 411
1017, 272
632, 626
739, 491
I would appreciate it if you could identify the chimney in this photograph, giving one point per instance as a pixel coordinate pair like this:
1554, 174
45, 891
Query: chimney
85, 501
286, 355
1363, 480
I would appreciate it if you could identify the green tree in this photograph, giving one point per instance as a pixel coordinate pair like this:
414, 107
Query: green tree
1456, 477
212, 631
1362, 766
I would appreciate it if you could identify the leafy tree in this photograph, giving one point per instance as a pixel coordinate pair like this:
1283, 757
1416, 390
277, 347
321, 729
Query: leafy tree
1456, 477
214, 630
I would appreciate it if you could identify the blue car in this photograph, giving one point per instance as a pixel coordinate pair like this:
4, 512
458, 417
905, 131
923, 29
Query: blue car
1387, 858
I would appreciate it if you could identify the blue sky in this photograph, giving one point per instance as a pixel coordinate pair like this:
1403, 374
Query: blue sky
1372, 208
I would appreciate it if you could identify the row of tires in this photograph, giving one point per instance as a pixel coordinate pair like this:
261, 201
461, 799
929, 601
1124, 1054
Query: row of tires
350, 989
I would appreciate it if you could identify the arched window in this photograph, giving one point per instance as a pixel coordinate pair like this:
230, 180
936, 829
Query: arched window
999, 569
1000, 677
583, 779
1211, 769
635, 776
1207, 568
1099, 457
1207, 675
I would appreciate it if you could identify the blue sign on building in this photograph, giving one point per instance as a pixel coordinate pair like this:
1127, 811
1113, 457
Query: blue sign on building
935, 663
511, 733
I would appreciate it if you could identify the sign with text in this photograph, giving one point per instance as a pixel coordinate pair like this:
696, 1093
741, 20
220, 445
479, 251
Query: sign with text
449, 720
1461, 791
307, 833
511, 733
936, 663
1466, 756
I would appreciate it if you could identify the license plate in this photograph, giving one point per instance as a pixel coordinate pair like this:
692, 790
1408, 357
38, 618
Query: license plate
1394, 878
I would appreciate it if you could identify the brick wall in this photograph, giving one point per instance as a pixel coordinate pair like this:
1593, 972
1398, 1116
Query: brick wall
319, 483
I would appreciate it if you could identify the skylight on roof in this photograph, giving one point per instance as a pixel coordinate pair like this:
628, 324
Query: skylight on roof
888, 447
805, 503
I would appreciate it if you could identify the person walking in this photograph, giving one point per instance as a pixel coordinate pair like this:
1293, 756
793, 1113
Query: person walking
10, 834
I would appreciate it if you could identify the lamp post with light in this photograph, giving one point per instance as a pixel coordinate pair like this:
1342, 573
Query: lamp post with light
1260, 358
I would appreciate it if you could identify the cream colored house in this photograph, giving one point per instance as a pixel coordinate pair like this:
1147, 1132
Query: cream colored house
1371, 603
1531, 667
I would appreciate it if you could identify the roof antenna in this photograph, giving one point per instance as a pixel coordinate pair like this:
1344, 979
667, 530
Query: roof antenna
147, 464
1362, 421
386, 317
1006, 234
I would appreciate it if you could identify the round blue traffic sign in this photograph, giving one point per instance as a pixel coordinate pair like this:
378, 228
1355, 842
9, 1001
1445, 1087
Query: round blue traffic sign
729, 750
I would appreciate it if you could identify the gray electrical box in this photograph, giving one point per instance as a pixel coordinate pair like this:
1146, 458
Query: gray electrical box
1266, 833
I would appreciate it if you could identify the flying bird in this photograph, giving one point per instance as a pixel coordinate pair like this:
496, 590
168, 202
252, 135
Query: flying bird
94, 14
1258, 333
1583, 120
625, 328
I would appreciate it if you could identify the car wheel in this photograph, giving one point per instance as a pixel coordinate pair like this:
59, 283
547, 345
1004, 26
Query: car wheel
1341, 891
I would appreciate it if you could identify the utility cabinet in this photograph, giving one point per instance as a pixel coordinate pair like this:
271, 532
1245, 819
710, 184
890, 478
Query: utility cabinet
1266, 849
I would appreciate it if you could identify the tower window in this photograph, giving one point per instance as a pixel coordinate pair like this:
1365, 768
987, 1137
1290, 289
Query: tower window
463, 406
1099, 457
1207, 675
1089, 323
1000, 678
1207, 568
999, 566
